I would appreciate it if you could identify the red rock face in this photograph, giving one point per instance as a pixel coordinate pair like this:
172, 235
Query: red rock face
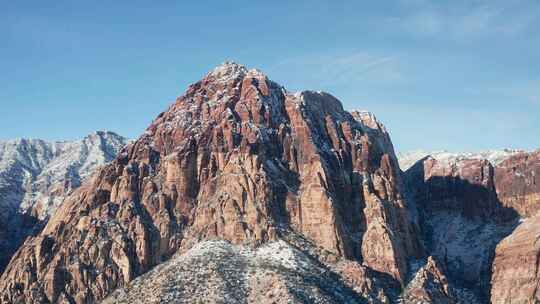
467, 207
515, 267
466, 186
517, 183
235, 158
456, 199
479, 188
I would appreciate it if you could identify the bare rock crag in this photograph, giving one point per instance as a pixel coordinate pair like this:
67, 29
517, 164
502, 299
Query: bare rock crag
469, 206
236, 158
515, 267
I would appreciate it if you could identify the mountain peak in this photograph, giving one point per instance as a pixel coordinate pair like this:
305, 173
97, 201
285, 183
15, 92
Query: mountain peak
235, 158
228, 70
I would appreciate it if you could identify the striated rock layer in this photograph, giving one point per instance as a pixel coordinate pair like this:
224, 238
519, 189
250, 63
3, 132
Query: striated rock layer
515, 273
503, 182
517, 183
235, 158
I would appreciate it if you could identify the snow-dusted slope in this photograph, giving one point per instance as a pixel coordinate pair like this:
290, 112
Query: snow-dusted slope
219, 272
31, 168
495, 157
36, 176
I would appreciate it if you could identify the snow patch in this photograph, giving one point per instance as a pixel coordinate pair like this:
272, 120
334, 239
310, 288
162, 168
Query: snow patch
446, 158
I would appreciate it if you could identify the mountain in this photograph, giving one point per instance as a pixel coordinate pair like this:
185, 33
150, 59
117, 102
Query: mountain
495, 157
37, 175
243, 192
236, 158
468, 203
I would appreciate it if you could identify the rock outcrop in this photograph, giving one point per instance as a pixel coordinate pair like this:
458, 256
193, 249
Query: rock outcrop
429, 285
516, 271
518, 184
508, 176
235, 158
468, 204
36, 176
467, 186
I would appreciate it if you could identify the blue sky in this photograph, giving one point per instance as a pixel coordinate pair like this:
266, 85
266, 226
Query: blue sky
455, 75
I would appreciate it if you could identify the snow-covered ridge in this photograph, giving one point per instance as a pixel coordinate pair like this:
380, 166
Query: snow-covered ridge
37, 175
228, 71
368, 119
30, 167
495, 157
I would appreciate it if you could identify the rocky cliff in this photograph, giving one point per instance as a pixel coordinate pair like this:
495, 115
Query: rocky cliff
515, 266
236, 158
37, 175
510, 175
515, 272
517, 183
468, 203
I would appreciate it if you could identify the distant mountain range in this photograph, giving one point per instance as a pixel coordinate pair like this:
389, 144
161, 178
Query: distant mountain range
36, 176
495, 157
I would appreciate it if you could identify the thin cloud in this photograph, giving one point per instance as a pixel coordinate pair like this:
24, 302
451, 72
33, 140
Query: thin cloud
344, 68
465, 19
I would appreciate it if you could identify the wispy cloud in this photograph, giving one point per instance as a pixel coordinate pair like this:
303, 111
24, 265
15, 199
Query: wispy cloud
466, 19
342, 68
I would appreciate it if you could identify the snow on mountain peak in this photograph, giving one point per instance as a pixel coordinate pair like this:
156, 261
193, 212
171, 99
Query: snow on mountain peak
368, 119
495, 157
228, 70
29, 167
